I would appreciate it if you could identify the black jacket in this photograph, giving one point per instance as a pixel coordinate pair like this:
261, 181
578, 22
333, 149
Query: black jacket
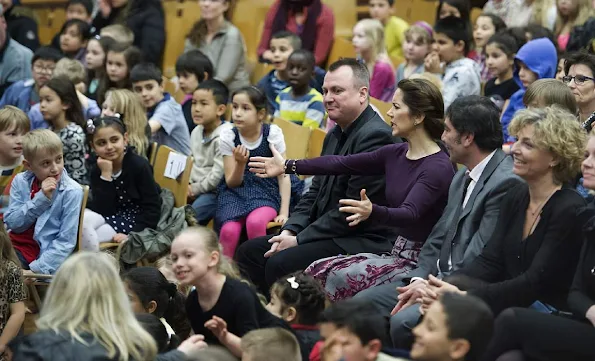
51, 346
148, 25
317, 216
139, 184
22, 27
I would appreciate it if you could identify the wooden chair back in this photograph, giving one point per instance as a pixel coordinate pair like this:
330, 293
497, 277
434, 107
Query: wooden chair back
180, 16
342, 48
179, 186
315, 144
81, 217
296, 138
153, 153
383, 108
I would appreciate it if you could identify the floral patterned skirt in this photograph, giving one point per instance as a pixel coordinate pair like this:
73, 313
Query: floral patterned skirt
344, 276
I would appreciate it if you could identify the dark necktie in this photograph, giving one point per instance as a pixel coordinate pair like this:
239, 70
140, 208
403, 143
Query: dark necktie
448, 241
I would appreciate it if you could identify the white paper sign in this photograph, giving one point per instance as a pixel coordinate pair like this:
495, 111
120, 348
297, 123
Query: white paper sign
176, 163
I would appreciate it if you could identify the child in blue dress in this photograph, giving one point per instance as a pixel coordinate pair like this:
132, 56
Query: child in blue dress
243, 198
125, 197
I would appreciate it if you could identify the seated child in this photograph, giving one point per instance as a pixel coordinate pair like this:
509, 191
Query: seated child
120, 33
537, 59
76, 9
299, 102
164, 340
166, 119
486, 25
461, 74
282, 44
97, 49
63, 112
271, 344
394, 27
14, 124
25, 93
45, 203
368, 42
192, 68
500, 50
209, 104
245, 200
560, 68
299, 300
76, 73
150, 292
73, 39
417, 44
125, 196
12, 293
457, 327
221, 307
355, 323
120, 59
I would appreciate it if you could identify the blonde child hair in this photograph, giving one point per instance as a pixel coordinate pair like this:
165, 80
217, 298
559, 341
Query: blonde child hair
374, 31
41, 141
583, 13
419, 31
547, 92
272, 344
429, 77
72, 69
90, 281
118, 32
126, 103
12, 117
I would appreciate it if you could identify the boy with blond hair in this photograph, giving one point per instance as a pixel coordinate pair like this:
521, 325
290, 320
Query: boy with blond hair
45, 203
14, 124
75, 71
272, 344
120, 33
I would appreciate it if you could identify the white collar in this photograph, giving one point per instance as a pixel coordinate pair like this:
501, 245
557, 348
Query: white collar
476, 172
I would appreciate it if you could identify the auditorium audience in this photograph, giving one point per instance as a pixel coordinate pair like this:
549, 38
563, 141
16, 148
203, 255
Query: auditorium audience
15, 60
273, 344
311, 20
77, 9
500, 51
570, 14
21, 24
317, 229
414, 202
521, 13
368, 42
145, 18
547, 92
485, 27
556, 337
473, 137
44, 206
459, 9
95, 58
74, 36
222, 42
14, 124
416, 46
119, 61
25, 92
394, 27
579, 70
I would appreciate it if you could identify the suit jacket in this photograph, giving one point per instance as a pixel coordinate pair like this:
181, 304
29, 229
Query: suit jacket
317, 216
476, 222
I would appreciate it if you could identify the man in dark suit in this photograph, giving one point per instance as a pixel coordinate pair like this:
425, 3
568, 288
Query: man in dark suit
316, 228
473, 137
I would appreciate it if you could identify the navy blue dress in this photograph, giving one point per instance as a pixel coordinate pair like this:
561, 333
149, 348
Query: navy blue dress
236, 203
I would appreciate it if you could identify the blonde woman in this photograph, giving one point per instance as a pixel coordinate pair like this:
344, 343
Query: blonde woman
571, 13
368, 42
87, 316
128, 105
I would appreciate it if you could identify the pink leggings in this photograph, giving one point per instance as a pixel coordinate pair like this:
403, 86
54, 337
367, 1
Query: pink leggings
256, 226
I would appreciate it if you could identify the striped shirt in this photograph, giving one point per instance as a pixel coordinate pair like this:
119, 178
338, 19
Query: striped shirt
307, 110
6, 176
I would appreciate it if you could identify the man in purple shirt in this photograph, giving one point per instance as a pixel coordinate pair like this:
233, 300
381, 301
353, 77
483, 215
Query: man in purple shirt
317, 229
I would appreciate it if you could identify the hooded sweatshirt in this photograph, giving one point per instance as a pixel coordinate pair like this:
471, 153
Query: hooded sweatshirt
540, 57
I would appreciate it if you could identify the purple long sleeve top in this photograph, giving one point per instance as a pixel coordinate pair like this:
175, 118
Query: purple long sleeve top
416, 190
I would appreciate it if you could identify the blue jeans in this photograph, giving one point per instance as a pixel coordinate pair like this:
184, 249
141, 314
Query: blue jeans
205, 207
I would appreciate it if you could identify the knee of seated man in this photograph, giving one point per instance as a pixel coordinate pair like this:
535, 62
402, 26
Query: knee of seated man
402, 324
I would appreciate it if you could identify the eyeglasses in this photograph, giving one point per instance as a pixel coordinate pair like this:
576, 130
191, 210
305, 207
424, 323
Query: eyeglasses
578, 79
43, 69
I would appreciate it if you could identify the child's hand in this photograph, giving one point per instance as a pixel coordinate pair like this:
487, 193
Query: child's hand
48, 186
267, 55
432, 63
218, 327
192, 346
105, 8
241, 154
190, 194
106, 167
282, 218
119, 238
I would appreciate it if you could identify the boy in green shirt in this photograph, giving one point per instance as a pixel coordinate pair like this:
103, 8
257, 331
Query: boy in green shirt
394, 27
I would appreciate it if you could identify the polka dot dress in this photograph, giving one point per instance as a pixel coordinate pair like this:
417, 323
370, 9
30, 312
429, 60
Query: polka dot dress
125, 218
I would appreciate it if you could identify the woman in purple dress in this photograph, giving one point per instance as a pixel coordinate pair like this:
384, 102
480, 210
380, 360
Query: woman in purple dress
418, 174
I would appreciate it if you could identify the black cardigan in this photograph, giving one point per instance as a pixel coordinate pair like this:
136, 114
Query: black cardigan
514, 272
582, 292
137, 176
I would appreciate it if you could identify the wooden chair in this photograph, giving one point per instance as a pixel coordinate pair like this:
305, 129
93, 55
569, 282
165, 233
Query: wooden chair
342, 48
383, 108
315, 144
81, 217
345, 12
296, 138
153, 153
475, 12
423, 10
180, 16
260, 70
179, 186
50, 16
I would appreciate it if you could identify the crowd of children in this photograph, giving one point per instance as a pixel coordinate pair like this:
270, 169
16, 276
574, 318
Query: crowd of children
96, 103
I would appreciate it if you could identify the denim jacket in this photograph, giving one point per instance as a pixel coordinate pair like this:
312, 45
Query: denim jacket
56, 220
19, 94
